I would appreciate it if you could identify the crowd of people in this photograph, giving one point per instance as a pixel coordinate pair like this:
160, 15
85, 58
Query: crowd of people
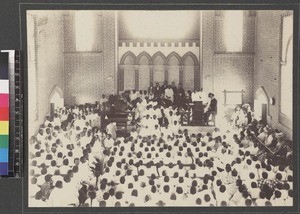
168, 95
77, 159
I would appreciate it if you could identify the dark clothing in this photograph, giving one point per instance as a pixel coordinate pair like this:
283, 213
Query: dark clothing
112, 98
163, 88
175, 90
150, 89
104, 122
181, 93
189, 97
70, 118
249, 117
212, 110
82, 196
112, 111
166, 102
157, 92
46, 189
280, 157
180, 97
213, 105
163, 122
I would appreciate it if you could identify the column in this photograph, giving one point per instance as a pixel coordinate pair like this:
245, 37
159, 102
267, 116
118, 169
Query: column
151, 67
197, 77
137, 78
181, 69
121, 78
166, 73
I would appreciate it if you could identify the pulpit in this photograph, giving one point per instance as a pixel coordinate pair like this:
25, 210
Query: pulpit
198, 113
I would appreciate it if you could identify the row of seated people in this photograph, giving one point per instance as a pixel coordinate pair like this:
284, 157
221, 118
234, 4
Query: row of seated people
83, 166
273, 142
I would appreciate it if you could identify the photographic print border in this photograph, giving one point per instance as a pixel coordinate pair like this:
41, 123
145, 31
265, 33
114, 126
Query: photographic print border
23, 7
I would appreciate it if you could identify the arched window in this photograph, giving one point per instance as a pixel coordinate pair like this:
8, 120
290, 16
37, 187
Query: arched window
129, 73
190, 73
173, 61
286, 73
287, 82
158, 68
126, 73
143, 60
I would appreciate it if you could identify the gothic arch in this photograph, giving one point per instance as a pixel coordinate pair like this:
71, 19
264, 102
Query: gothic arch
144, 53
55, 90
56, 99
189, 70
128, 53
192, 56
261, 95
175, 55
159, 54
261, 98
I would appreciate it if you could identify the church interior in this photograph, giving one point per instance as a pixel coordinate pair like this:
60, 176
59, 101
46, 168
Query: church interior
218, 132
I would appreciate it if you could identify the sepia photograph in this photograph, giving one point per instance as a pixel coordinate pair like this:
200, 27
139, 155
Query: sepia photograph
160, 108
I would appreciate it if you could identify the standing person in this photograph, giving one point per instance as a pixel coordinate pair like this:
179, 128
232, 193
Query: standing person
212, 109
203, 96
189, 96
169, 93
112, 98
180, 96
157, 91
164, 87
175, 91
249, 114
103, 100
151, 88
104, 122
133, 96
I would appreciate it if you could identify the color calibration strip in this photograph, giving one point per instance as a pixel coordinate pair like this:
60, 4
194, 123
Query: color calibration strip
4, 114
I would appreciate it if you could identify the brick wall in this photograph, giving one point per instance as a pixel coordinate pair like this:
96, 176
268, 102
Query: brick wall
218, 66
233, 72
89, 74
109, 52
267, 61
46, 58
83, 76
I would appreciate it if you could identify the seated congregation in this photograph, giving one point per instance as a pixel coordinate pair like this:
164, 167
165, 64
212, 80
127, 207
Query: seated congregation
78, 159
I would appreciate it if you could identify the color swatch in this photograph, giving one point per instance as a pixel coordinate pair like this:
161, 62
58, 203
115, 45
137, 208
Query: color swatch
4, 114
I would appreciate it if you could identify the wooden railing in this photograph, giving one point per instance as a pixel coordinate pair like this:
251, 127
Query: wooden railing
262, 144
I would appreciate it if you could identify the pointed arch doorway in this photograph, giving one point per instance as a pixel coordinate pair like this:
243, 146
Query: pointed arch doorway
56, 99
261, 103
